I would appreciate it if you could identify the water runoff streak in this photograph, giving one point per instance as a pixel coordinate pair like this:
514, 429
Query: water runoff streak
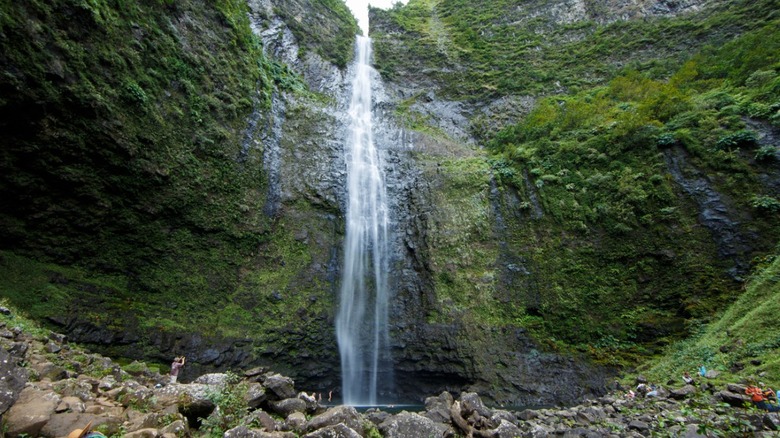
361, 323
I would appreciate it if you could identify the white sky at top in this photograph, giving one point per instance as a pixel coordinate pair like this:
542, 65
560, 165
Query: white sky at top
360, 9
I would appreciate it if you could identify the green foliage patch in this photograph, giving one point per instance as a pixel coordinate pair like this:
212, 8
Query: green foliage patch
578, 229
743, 341
131, 194
480, 49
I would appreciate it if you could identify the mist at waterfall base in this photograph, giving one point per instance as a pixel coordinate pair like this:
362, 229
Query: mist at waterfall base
362, 319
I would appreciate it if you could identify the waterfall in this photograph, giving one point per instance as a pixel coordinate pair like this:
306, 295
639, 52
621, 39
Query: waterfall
361, 322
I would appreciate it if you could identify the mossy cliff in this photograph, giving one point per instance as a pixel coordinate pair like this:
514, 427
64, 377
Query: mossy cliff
600, 180
135, 191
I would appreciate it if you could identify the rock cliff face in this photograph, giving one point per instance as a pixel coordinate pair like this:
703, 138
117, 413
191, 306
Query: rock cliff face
472, 256
467, 241
429, 357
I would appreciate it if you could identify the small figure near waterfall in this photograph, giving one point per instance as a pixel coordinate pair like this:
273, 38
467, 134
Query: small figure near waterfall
176, 366
702, 371
688, 379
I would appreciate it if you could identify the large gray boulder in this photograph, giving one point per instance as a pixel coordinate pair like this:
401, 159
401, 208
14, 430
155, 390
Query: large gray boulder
255, 395
507, 430
280, 386
411, 425
771, 421
733, 398
295, 421
335, 431
216, 379
31, 412
333, 416
245, 432
471, 402
48, 370
682, 393
12, 380
288, 406
60, 425
438, 408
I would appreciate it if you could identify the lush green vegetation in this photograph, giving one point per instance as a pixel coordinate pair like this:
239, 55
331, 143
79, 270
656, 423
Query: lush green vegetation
743, 342
575, 220
332, 38
600, 162
131, 194
480, 49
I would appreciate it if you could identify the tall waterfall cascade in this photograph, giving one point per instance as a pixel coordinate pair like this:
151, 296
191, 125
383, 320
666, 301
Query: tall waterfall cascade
362, 319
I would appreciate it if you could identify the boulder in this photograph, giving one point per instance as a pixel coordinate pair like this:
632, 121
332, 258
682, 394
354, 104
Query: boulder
107, 383
339, 414
255, 395
736, 388
288, 406
499, 415
142, 433
18, 349
470, 402
507, 430
295, 421
244, 432
692, 431
52, 347
62, 424
262, 418
528, 414
375, 416
177, 428
153, 420
411, 425
214, 379
80, 388
12, 380
255, 372
71, 404
31, 412
732, 398
136, 395
48, 370
590, 415
771, 421
335, 431
280, 386
682, 393
637, 425
540, 431
438, 408
712, 374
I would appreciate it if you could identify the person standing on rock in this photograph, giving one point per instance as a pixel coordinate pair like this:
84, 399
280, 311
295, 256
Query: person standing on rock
177, 365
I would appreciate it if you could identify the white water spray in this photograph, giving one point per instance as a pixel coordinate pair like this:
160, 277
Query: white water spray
361, 323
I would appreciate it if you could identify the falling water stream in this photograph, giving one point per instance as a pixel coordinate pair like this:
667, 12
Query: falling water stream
361, 322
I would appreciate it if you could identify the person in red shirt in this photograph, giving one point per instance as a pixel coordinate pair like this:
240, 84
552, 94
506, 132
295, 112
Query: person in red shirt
761, 398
